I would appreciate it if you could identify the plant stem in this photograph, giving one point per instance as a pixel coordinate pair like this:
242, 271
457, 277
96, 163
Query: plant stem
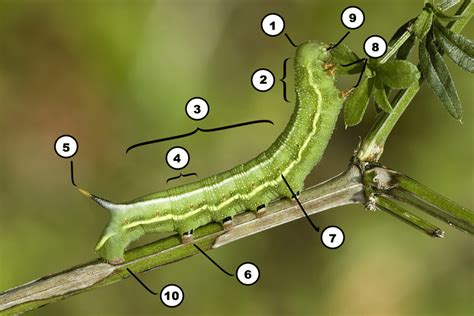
346, 188
393, 49
447, 4
385, 204
373, 144
381, 181
433, 203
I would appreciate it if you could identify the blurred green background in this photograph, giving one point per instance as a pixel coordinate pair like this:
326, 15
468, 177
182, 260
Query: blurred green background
114, 73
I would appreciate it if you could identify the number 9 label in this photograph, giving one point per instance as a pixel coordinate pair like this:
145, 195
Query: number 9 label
352, 17
272, 24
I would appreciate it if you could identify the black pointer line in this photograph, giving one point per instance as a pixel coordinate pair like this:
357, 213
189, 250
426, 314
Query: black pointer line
339, 42
283, 79
299, 203
363, 68
182, 175
205, 130
72, 174
289, 40
140, 281
229, 274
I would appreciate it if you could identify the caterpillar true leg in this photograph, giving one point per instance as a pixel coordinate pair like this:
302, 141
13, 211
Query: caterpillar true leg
261, 210
227, 223
187, 237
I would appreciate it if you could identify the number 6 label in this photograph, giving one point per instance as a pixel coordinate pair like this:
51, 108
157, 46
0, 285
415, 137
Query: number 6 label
332, 237
248, 273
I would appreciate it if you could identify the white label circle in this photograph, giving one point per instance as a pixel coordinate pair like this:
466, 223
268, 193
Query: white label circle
263, 80
248, 273
273, 24
172, 295
375, 46
66, 146
332, 237
177, 158
352, 17
197, 108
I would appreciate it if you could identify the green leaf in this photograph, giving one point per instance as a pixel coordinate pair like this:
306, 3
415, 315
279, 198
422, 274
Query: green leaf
423, 23
459, 48
437, 75
406, 47
380, 96
343, 55
398, 74
441, 15
356, 103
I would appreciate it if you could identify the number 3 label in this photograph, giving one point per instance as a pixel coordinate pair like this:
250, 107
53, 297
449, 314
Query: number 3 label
197, 108
332, 237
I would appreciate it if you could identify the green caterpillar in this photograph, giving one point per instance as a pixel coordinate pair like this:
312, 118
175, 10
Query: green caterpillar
247, 186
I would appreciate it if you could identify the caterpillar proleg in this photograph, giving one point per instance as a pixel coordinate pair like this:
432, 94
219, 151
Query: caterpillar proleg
247, 186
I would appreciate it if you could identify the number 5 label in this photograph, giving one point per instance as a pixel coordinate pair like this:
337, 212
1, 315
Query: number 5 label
65, 146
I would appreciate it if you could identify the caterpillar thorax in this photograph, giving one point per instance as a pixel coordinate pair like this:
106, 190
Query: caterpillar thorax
245, 187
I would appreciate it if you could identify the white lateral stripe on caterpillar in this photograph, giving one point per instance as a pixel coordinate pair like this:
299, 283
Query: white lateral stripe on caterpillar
241, 196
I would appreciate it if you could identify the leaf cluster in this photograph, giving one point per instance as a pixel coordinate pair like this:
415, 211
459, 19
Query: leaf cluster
432, 31
377, 82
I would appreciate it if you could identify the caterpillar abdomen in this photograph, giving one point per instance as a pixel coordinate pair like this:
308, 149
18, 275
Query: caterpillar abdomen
245, 187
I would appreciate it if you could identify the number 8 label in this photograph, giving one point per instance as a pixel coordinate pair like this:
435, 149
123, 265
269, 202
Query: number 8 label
375, 46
